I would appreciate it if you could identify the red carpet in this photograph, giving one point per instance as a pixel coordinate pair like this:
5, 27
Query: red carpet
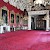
25, 40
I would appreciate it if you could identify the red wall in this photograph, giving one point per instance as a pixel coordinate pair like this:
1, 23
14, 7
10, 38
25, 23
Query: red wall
10, 7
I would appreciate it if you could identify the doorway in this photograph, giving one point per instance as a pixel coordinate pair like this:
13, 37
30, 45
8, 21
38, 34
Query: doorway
37, 22
40, 23
32, 23
43, 19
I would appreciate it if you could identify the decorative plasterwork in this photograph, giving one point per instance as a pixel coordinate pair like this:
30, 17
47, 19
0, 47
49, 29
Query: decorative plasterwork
44, 2
20, 4
27, 4
4, 7
39, 1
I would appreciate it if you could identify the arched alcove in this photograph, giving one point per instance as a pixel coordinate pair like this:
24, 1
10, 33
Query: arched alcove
5, 14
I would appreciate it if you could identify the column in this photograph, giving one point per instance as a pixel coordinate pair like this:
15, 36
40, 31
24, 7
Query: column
29, 23
35, 21
47, 21
9, 18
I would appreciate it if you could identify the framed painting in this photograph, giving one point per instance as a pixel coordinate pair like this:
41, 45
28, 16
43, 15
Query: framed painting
17, 18
4, 15
12, 18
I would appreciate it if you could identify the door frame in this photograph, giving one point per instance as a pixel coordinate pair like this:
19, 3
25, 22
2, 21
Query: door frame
42, 12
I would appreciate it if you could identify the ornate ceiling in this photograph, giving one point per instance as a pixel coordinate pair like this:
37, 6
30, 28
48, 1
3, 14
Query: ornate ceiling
26, 4
20, 4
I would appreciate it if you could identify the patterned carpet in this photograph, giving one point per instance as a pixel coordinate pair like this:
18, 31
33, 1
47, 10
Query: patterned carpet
25, 40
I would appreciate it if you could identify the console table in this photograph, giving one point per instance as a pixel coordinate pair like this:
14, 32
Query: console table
6, 27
